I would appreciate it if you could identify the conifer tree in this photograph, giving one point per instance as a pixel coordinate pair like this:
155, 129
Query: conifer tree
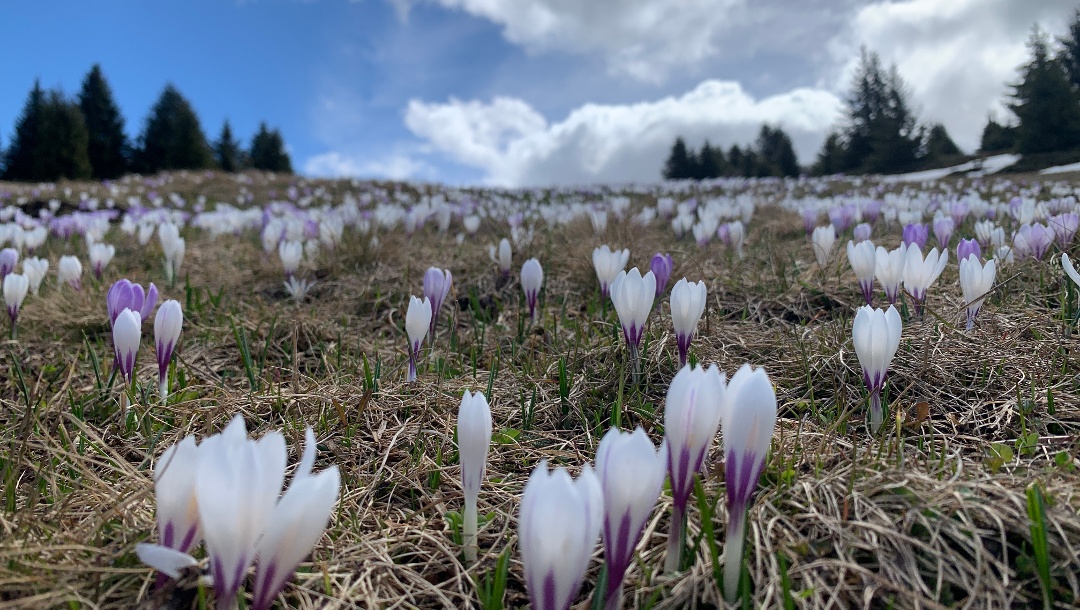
108, 146
677, 166
172, 137
227, 152
1070, 52
939, 145
268, 151
709, 162
882, 134
1044, 102
997, 137
776, 153
831, 157
736, 161
19, 158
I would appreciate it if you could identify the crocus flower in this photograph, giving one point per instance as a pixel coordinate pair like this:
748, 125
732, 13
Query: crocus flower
916, 233
558, 526
417, 321
692, 412
749, 417
863, 259
966, 248
732, 235
633, 297
1033, 240
687, 305
841, 217
295, 525
167, 325
943, 230
437, 283
474, 440
1070, 270
15, 287
127, 332
532, 278
983, 231
921, 273
69, 271
809, 218
502, 257
125, 294
631, 472
291, 254
661, 265
824, 239
871, 209
608, 264
876, 334
100, 255
862, 232
976, 280
1065, 226
237, 485
34, 269
9, 257
177, 509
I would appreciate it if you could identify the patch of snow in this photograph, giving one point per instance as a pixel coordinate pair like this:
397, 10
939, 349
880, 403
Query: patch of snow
993, 165
1061, 169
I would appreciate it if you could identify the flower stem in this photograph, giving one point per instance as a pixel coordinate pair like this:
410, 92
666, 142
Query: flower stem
468, 530
675, 539
733, 555
876, 416
615, 601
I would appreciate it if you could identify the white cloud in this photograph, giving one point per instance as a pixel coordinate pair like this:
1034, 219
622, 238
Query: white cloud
335, 164
955, 55
514, 145
648, 39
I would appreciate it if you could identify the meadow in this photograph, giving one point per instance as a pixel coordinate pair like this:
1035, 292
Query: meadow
968, 495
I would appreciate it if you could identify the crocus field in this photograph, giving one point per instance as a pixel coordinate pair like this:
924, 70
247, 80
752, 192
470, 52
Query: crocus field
265, 391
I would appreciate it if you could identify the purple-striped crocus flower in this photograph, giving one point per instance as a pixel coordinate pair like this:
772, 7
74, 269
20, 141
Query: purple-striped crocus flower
631, 473
692, 413
633, 295
862, 232
125, 294
474, 440
437, 283
167, 325
558, 526
1033, 240
127, 332
9, 257
661, 265
966, 248
15, 287
871, 210
532, 279
749, 416
841, 217
1065, 226
687, 305
943, 230
863, 259
809, 219
417, 321
876, 335
916, 233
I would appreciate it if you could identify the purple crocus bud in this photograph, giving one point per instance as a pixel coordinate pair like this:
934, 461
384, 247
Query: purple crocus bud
871, 210
1064, 226
809, 219
958, 211
862, 232
9, 257
532, 278
661, 266
917, 234
631, 473
437, 283
841, 217
723, 232
149, 301
127, 332
749, 416
966, 248
167, 325
943, 230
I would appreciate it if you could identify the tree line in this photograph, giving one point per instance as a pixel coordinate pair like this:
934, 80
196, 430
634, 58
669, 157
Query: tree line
880, 132
83, 137
1044, 101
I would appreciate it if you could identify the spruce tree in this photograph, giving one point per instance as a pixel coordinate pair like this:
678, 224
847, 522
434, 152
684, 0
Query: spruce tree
776, 153
108, 146
62, 151
831, 157
19, 159
268, 151
227, 152
997, 137
882, 134
172, 137
1044, 103
736, 161
939, 145
709, 162
677, 166
1070, 52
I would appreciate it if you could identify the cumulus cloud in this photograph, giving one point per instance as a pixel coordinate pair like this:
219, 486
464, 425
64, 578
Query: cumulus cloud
514, 145
956, 56
335, 164
648, 39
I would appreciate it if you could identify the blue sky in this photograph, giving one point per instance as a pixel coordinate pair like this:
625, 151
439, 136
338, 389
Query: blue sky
516, 91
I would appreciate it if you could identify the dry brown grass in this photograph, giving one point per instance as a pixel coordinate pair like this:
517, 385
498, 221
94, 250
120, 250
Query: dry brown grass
913, 519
